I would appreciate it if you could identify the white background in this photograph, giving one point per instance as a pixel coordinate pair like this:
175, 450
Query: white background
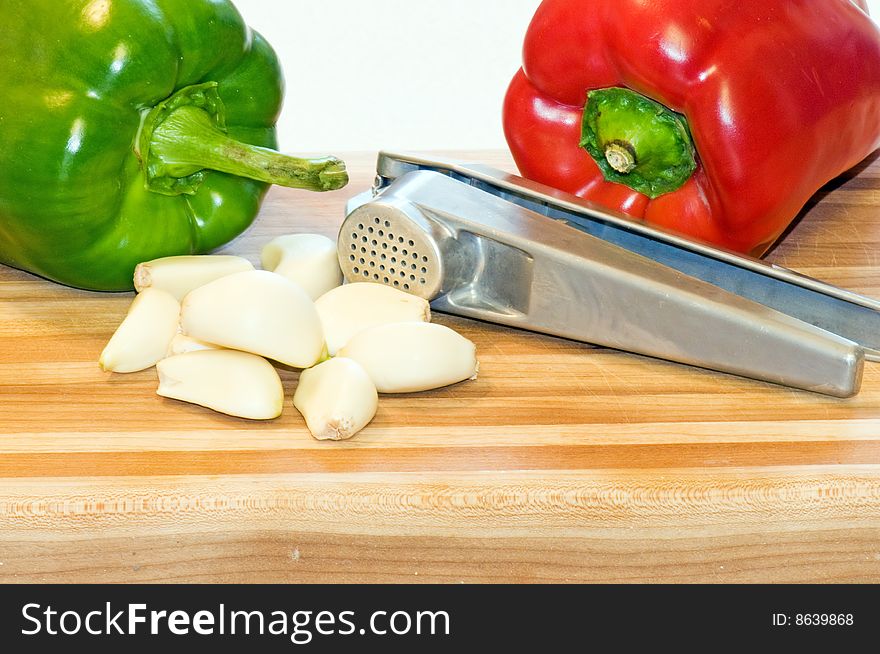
395, 74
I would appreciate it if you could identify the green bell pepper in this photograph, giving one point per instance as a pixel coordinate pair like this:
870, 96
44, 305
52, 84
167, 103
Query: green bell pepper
132, 130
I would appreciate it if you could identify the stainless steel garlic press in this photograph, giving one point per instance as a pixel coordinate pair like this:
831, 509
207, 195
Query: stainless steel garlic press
485, 244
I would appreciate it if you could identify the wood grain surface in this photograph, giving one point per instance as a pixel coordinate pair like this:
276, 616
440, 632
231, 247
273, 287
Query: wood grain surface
561, 463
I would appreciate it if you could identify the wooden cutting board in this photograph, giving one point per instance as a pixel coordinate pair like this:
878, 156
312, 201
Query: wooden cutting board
562, 462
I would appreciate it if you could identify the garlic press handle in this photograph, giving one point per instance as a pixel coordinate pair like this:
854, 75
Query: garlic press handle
840, 311
477, 255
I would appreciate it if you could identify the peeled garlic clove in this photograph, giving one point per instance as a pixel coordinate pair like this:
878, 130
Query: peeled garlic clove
257, 312
180, 275
337, 399
181, 344
235, 383
309, 260
144, 336
352, 308
412, 356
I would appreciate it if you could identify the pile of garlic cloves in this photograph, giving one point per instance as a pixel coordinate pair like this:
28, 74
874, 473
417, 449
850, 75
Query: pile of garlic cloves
212, 325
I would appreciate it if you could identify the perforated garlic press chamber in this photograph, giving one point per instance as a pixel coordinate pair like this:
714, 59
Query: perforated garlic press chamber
481, 243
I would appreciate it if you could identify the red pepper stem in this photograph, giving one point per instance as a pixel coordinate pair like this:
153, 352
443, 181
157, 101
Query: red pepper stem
638, 142
621, 157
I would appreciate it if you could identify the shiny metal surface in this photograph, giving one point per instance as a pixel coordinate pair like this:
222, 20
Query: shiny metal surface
837, 310
487, 245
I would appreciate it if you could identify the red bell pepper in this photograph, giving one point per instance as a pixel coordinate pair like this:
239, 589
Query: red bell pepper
716, 119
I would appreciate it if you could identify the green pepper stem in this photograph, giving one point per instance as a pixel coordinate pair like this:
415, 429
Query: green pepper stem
182, 137
637, 142
188, 138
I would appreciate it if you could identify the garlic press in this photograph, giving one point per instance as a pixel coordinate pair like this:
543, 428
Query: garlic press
484, 244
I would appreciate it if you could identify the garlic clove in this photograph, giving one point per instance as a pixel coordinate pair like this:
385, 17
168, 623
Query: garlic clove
181, 344
350, 309
337, 398
235, 383
257, 312
145, 334
409, 357
309, 260
180, 275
